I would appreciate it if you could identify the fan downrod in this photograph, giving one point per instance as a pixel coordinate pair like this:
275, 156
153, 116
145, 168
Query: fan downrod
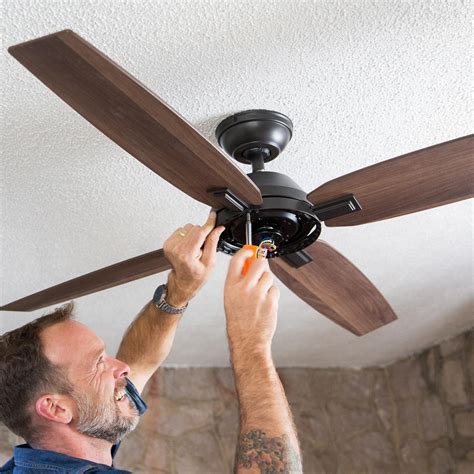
254, 136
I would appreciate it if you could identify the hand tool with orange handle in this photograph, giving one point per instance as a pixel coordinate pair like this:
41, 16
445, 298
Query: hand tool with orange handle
248, 245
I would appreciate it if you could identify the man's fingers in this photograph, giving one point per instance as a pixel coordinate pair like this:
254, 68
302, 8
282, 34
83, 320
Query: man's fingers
274, 293
188, 242
185, 231
266, 282
210, 223
195, 239
199, 234
210, 247
237, 263
256, 270
181, 232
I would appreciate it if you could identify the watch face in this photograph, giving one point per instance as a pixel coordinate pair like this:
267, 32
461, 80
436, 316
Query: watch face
157, 297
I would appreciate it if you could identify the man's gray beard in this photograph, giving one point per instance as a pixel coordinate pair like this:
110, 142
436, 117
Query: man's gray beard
103, 420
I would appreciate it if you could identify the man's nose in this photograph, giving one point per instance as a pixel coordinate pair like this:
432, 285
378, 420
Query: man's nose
121, 369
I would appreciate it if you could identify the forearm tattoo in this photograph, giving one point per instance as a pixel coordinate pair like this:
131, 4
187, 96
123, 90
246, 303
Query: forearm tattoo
270, 455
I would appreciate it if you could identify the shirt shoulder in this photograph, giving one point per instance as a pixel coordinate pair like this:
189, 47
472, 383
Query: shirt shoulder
27, 460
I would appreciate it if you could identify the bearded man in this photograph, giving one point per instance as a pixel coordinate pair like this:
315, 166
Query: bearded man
73, 403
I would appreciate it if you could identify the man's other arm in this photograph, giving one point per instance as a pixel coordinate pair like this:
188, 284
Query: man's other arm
267, 440
148, 340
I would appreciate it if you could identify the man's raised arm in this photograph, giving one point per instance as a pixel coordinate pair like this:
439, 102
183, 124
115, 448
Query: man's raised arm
267, 440
191, 251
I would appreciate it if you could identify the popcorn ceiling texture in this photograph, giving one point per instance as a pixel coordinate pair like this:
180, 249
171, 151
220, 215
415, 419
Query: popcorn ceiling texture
363, 81
415, 416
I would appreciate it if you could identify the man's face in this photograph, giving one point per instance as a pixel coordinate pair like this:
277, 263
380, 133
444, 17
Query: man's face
103, 411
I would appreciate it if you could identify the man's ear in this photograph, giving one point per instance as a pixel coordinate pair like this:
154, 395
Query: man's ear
54, 407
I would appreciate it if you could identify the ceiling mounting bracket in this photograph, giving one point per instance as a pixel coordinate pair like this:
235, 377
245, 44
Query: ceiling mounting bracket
337, 207
297, 259
229, 200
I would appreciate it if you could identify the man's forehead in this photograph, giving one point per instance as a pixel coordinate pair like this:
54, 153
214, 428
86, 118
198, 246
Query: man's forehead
69, 341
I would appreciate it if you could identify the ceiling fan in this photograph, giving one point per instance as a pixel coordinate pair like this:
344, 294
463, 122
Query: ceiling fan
285, 218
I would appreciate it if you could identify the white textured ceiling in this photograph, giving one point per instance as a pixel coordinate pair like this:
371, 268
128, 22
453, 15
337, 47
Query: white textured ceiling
362, 81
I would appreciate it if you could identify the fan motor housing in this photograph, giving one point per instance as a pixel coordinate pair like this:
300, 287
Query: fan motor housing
285, 218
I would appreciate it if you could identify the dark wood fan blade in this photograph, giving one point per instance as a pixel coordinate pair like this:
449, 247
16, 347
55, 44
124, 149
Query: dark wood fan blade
133, 117
426, 178
337, 289
117, 274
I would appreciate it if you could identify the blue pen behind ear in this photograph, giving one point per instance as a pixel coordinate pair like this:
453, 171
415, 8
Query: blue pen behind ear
134, 396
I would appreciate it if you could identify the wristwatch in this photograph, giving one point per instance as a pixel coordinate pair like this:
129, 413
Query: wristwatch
159, 299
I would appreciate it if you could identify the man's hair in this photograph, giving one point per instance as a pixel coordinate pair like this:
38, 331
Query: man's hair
26, 373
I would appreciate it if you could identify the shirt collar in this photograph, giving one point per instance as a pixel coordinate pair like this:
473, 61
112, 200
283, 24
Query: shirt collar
25, 453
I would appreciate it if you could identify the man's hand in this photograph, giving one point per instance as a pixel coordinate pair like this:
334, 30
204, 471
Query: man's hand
251, 304
191, 251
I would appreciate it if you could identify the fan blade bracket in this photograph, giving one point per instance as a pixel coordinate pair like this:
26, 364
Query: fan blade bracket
229, 200
298, 259
337, 207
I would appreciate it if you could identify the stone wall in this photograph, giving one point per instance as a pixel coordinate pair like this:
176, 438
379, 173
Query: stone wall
415, 416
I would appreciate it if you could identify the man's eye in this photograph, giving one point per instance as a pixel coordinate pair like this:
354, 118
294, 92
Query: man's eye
100, 361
